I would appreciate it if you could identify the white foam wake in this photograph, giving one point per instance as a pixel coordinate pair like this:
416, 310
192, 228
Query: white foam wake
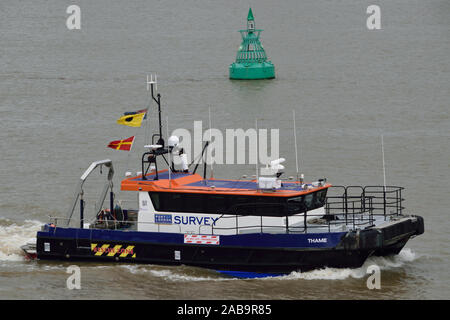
13, 236
384, 263
173, 274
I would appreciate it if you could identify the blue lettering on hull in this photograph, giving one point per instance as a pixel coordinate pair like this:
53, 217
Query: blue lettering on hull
189, 220
163, 218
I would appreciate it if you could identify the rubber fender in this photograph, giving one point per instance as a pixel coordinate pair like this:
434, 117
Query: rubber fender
118, 213
370, 239
349, 241
419, 225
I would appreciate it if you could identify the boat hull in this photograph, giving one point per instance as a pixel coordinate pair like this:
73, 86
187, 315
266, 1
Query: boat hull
260, 253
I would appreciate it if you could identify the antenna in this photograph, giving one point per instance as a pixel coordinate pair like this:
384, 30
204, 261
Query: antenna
168, 149
295, 143
384, 167
210, 138
153, 80
257, 142
148, 109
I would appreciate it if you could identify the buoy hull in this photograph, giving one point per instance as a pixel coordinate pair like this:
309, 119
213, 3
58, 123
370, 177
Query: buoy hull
252, 71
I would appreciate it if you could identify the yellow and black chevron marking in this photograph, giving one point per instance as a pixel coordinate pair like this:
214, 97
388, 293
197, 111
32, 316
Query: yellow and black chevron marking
116, 251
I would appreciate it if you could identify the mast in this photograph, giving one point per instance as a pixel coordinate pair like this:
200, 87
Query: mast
158, 148
157, 99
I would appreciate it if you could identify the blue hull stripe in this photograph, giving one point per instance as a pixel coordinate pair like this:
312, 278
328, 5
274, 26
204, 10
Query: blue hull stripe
266, 240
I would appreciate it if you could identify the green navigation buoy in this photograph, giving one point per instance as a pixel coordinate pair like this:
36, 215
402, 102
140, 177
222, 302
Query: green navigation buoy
251, 59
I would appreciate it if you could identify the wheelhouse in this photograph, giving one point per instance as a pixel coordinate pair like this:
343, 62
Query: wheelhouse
237, 204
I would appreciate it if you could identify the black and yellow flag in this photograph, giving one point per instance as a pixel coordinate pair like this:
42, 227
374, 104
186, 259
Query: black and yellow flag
133, 119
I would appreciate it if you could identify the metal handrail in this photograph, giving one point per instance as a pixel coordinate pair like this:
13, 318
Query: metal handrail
354, 207
382, 198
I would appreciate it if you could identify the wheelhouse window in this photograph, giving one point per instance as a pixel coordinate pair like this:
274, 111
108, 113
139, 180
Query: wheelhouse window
177, 202
216, 203
307, 202
174, 203
236, 204
319, 199
296, 205
259, 206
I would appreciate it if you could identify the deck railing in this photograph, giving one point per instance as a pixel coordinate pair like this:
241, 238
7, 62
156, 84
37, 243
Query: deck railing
359, 214
377, 200
346, 208
351, 207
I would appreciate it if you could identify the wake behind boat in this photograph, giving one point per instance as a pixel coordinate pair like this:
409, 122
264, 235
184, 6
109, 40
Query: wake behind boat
244, 227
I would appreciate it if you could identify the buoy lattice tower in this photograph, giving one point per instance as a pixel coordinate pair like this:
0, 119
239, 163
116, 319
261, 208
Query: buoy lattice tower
251, 59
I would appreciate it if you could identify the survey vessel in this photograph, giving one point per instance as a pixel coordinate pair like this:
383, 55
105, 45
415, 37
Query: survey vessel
247, 227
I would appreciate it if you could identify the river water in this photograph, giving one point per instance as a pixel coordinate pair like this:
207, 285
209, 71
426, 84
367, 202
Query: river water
62, 90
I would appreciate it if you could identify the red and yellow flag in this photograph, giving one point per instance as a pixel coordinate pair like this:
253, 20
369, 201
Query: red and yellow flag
124, 144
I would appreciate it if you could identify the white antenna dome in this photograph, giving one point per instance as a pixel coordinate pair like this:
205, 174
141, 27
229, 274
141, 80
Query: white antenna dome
273, 163
173, 141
